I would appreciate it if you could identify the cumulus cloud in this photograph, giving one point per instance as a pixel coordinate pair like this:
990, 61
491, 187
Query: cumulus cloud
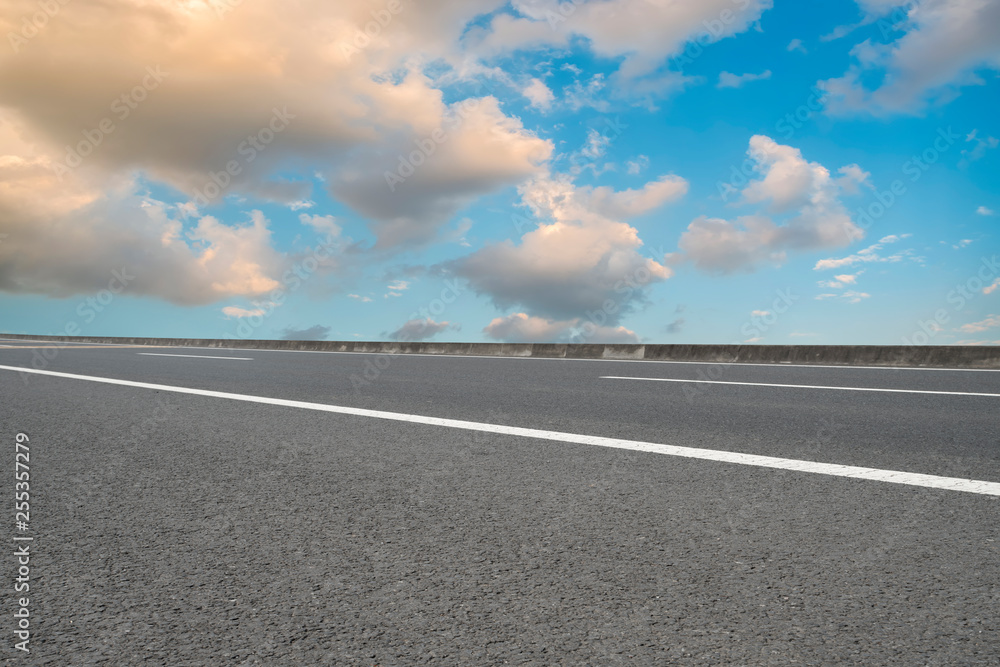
729, 80
643, 34
790, 185
261, 103
73, 236
421, 329
630, 203
411, 186
578, 259
522, 328
944, 43
316, 332
617, 335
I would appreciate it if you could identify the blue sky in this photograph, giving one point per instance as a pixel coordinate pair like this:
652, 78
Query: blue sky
612, 171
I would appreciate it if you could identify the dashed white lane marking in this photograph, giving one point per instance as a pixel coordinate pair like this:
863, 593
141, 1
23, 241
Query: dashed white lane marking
804, 386
193, 356
833, 469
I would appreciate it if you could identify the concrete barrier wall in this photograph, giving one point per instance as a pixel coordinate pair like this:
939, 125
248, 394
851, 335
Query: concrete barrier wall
943, 356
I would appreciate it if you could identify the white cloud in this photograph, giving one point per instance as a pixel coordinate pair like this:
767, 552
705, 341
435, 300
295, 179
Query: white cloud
237, 312
962, 244
358, 297
617, 335
347, 115
596, 146
579, 261
760, 313
728, 80
591, 94
645, 34
989, 289
480, 150
70, 236
522, 328
637, 165
979, 148
866, 255
991, 322
852, 177
982, 210
840, 281
789, 185
796, 45
849, 296
945, 43
630, 203
538, 94
396, 288
324, 224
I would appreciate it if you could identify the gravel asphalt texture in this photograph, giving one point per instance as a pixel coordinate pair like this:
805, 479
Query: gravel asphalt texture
186, 530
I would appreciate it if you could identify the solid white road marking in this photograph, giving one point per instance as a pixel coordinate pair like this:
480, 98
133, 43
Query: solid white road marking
833, 469
804, 386
193, 356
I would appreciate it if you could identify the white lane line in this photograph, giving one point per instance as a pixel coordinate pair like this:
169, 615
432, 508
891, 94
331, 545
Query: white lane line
192, 356
833, 469
804, 386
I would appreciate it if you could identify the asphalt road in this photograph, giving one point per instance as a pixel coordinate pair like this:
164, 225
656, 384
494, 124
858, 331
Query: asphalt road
182, 529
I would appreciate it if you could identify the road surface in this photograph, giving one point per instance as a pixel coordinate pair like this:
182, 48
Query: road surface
255, 507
